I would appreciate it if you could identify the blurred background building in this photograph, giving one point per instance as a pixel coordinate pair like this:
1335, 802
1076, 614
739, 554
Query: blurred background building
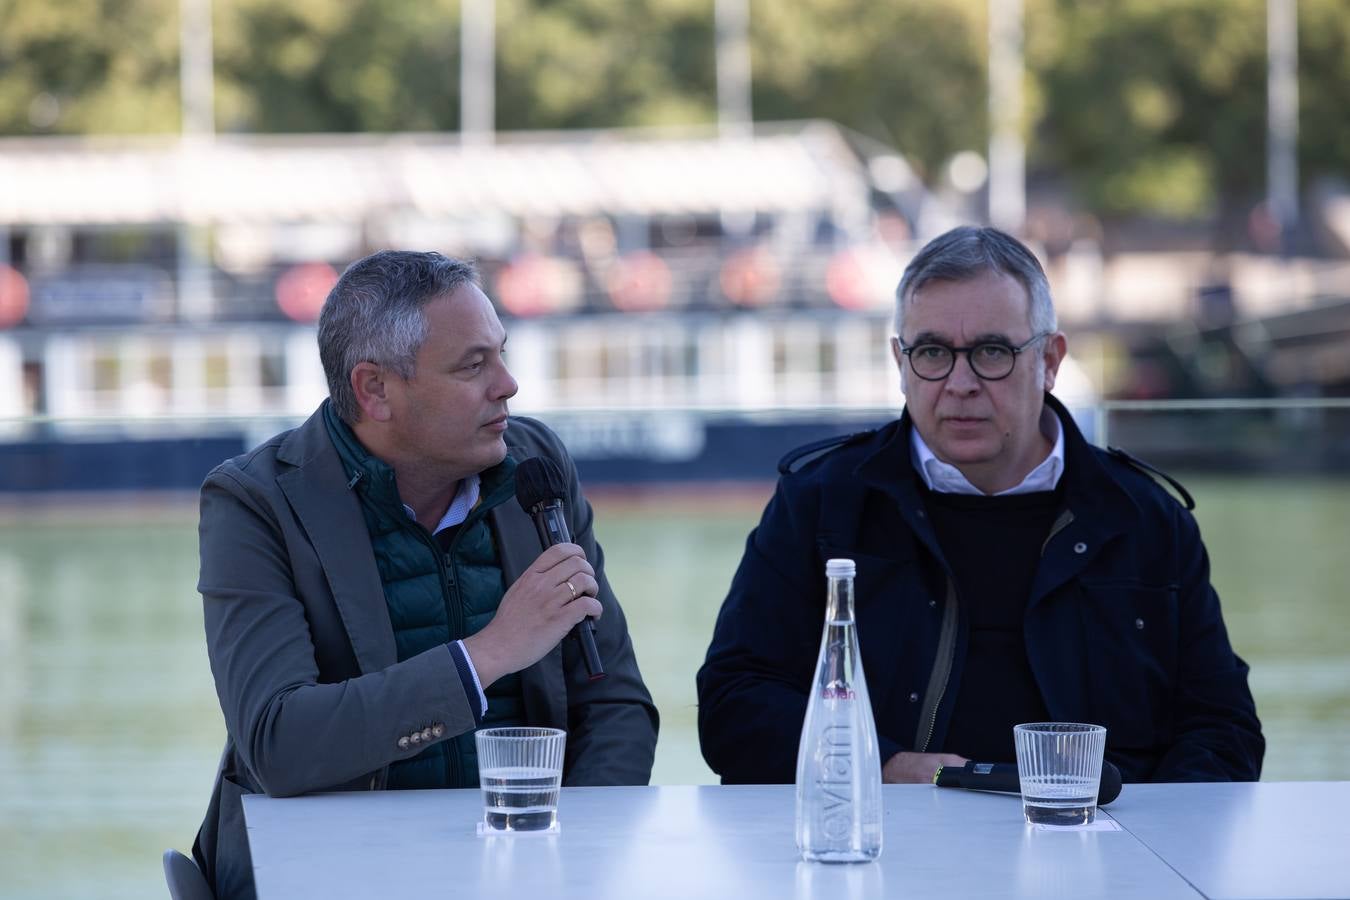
163, 287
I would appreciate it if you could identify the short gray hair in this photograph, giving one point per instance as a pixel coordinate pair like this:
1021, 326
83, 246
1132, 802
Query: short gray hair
966, 252
376, 313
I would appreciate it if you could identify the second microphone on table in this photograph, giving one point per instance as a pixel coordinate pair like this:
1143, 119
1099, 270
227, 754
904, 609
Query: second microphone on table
540, 491
1003, 777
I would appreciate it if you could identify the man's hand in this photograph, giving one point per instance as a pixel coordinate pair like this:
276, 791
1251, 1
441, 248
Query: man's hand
537, 612
917, 768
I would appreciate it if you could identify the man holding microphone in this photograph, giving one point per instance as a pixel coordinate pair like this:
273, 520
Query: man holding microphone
372, 595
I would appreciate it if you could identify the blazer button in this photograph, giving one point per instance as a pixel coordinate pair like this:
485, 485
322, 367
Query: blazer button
1080, 547
415, 737
403, 743
914, 698
1139, 623
426, 734
437, 730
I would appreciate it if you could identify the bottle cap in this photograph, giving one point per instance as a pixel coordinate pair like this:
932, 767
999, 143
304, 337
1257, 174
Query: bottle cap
840, 568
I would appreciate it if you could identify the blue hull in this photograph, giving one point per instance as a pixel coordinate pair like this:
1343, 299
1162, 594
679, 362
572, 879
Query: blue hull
613, 451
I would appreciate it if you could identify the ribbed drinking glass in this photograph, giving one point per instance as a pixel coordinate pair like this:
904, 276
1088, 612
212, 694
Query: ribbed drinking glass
1060, 767
520, 772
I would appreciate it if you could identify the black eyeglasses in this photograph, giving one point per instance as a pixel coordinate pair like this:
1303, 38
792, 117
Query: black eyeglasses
990, 360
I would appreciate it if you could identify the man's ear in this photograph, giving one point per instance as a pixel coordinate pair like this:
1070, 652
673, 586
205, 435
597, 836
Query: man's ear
900, 364
1056, 348
368, 382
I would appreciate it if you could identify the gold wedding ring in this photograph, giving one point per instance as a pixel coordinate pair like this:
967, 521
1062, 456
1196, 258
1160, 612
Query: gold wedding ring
572, 589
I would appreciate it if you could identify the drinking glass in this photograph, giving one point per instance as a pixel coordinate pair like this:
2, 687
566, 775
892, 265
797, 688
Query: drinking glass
1059, 765
520, 772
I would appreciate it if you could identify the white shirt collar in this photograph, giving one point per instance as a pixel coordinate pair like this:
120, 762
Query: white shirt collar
466, 497
947, 479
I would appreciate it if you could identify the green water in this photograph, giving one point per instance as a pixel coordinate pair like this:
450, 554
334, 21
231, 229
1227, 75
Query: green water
109, 730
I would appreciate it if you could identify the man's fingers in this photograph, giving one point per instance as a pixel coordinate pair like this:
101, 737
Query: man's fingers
576, 569
582, 583
556, 555
586, 606
582, 590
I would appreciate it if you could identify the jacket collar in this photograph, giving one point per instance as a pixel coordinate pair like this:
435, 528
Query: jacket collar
308, 441
1096, 504
1095, 493
888, 467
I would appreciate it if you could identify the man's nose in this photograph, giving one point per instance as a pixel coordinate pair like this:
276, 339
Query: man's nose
506, 386
962, 378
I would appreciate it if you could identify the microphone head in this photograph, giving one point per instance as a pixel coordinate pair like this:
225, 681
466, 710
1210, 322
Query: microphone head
1109, 789
539, 480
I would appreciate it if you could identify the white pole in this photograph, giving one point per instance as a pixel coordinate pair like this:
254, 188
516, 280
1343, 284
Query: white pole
196, 67
196, 85
734, 115
1282, 115
1007, 155
477, 78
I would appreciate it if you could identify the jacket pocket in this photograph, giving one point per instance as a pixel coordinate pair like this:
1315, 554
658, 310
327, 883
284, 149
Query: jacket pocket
1130, 634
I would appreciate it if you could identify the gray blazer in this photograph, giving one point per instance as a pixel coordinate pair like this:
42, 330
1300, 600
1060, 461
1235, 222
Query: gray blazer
303, 655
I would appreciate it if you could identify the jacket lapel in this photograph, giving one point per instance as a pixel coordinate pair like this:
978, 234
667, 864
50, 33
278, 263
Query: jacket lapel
331, 516
517, 539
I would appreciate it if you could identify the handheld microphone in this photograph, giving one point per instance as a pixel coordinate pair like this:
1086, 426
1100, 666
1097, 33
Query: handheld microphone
1003, 777
540, 490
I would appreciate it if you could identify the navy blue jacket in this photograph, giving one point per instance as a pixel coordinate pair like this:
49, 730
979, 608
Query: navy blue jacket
1122, 627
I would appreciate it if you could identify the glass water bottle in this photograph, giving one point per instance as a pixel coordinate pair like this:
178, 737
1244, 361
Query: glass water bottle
838, 764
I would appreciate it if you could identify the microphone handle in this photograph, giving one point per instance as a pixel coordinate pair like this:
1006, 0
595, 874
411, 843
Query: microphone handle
977, 776
551, 523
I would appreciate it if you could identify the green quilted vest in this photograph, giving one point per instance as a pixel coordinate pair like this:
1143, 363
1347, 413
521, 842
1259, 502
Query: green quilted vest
434, 597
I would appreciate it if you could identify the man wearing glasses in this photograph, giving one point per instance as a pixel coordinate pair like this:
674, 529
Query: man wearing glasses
1008, 571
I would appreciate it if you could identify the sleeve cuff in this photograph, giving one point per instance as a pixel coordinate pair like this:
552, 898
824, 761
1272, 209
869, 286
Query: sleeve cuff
468, 676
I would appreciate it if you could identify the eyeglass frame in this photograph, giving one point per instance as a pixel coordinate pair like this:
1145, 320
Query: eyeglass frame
956, 351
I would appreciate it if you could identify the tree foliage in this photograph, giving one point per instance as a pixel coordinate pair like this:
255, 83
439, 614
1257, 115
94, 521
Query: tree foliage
1159, 105
88, 66
911, 74
1151, 106
596, 63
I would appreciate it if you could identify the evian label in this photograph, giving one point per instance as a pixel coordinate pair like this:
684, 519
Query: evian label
836, 690
835, 781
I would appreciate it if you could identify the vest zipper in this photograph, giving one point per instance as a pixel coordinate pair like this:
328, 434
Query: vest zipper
455, 619
454, 606
454, 616
455, 613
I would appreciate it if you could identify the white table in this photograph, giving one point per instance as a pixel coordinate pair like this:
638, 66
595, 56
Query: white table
1238, 841
737, 842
